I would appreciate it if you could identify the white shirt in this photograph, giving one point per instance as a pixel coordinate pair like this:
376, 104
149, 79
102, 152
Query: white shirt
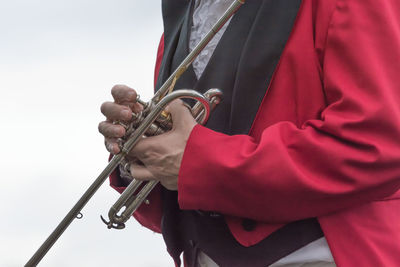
206, 13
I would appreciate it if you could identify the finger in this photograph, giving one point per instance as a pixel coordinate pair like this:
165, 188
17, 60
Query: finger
126, 96
147, 146
135, 107
114, 111
181, 115
140, 172
110, 130
122, 94
112, 145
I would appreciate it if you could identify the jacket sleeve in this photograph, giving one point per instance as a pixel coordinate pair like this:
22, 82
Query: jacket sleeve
351, 155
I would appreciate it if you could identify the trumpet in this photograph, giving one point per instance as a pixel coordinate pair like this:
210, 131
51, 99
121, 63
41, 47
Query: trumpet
153, 120
129, 199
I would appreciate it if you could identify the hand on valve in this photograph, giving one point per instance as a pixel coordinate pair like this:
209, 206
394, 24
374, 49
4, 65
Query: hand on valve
161, 155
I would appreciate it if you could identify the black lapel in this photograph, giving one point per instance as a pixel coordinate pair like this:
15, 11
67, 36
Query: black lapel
224, 63
188, 80
174, 14
264, 46
242, 63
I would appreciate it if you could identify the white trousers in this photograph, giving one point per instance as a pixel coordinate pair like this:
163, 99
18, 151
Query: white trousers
204, 261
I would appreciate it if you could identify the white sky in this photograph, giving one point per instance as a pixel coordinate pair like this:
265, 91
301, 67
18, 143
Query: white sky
58, 62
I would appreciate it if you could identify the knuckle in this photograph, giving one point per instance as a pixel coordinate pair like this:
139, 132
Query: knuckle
116, 89
104, 107
103, 128
119, 131
107, 145
123, 93
100, 127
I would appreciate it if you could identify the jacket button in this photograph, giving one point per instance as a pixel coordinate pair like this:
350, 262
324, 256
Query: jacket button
249, 225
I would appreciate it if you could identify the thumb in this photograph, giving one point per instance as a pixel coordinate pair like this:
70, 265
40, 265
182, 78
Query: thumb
181, 115
141, 173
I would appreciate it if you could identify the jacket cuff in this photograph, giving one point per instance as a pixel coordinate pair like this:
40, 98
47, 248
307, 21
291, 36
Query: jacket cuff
200, 179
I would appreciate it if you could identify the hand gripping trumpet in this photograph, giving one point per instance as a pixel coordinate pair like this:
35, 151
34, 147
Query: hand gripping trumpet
156, 122
153, 120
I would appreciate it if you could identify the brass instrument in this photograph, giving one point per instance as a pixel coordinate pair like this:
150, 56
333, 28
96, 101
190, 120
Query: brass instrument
129, 198
151, 121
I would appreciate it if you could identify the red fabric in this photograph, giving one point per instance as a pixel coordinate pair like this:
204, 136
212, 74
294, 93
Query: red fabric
147, 215
160, 53
325, 141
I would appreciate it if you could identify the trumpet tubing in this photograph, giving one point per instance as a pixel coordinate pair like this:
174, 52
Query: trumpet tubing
151, 121
129, 199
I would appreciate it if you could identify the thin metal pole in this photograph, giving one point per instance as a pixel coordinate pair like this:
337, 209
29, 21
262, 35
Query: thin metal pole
75, 211
116, 160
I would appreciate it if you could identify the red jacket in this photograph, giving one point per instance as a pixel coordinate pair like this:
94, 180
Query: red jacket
325, 142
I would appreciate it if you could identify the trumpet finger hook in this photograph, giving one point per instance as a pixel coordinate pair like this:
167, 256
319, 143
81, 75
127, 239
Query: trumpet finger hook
112, 225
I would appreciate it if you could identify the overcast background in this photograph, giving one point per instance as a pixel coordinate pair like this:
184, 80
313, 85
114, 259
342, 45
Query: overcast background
58, 62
